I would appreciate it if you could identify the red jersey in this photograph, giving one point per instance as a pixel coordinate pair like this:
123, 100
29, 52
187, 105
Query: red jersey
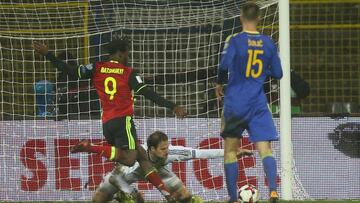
114, 83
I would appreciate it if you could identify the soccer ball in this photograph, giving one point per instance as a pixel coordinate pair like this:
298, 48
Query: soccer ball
248, 194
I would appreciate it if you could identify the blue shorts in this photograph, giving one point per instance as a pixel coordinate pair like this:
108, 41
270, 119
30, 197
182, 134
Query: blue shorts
258, 123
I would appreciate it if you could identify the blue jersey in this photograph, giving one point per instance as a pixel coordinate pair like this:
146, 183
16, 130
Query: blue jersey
247, 60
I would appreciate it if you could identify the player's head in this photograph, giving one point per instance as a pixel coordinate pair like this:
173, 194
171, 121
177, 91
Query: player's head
158, 144
250, 13
119, 49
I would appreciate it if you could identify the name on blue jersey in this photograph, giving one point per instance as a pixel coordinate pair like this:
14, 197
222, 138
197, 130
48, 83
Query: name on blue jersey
255, 43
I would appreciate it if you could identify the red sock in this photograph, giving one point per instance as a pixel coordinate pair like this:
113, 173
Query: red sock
105, 151
155, 179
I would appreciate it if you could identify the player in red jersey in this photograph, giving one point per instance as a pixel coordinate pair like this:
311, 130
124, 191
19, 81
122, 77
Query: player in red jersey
114, 82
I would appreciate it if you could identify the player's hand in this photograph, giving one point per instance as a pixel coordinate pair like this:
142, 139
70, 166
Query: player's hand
219, 92
243, 152
179, 111
40, 48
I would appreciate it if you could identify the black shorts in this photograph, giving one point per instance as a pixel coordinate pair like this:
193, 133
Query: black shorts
121, 133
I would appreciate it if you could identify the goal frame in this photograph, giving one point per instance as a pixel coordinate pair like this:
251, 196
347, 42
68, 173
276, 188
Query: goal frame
287, 175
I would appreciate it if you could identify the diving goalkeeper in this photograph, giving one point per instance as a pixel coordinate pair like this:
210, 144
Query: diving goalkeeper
160, 154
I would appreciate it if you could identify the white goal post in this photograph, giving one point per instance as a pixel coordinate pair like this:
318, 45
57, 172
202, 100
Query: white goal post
287, 175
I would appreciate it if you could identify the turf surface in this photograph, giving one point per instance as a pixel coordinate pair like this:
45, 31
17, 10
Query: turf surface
307, 201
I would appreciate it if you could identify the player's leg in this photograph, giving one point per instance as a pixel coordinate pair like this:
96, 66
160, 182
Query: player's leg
232, 129
270, 169
105, 192
177, 187
121, 135
123, 182
262, 131
151, 175
231, 166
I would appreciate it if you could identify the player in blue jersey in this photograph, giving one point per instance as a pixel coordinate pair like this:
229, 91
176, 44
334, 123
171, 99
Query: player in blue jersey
247, 60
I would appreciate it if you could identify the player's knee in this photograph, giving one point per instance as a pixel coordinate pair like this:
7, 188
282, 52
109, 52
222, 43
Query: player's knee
127, 158
128, 162
264, 149
100, 197
265, 153
230, 157
184, 194
186, 199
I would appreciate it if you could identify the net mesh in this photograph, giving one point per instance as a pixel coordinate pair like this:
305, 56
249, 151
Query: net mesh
175, 47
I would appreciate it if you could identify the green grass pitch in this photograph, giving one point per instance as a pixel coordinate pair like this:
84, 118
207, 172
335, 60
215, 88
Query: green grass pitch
307, 201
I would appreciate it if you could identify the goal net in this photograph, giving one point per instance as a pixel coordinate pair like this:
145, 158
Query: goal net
176, 47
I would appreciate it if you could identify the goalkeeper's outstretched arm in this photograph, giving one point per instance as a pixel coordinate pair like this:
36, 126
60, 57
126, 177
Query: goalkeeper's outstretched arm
179, 153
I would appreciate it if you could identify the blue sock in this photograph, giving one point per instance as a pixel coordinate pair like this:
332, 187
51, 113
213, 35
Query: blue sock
269, 164
231, 173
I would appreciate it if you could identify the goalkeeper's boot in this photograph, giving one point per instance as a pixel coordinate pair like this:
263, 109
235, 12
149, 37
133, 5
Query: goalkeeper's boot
138, 196
122, 197
274, 197
82, 146
196, 199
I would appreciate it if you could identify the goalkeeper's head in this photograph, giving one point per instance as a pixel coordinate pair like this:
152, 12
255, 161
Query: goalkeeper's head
158, 145
118, 50
250, 13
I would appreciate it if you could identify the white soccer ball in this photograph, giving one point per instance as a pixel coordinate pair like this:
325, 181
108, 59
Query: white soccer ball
248, 194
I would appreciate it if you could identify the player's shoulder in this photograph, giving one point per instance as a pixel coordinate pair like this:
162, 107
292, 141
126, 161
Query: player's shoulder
267, 39
234, 36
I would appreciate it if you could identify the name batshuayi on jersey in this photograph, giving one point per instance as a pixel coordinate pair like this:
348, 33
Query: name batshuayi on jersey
111, 80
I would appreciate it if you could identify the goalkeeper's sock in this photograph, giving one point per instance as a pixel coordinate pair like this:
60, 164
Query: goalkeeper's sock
105, 151
231, 173
270, 169
155, 179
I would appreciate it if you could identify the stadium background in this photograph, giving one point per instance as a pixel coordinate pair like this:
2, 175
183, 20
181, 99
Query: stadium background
325, 45
324, 51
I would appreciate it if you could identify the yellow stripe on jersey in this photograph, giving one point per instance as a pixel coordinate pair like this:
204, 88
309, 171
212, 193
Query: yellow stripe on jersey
129, 134
113, 153
79, 71
251, 32
140, 88
230, 36
228, 40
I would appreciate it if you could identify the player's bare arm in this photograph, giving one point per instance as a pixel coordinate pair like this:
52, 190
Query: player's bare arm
140, 88
72, 70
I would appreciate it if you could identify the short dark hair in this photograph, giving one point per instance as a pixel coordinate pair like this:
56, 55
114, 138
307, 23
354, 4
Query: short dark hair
155, 138
250, 11
122, 45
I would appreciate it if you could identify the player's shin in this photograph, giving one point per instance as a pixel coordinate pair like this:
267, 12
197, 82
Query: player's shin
231, 167
154, 178
231, 174
269, 164
109, 152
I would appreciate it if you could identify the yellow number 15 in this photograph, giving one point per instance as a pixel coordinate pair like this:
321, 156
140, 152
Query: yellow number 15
106, 85
253, 60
